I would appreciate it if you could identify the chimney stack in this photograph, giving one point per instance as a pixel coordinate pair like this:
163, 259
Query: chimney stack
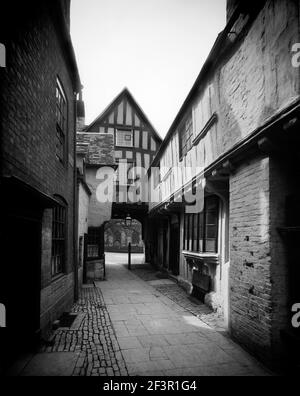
80, 113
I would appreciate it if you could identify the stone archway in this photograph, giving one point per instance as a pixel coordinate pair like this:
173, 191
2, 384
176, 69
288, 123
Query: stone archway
117, 236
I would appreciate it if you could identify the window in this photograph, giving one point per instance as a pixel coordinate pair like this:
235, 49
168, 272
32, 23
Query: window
201, 229
61, 122
58, 240
124, 138
186, 135
135, 238
155, 175
93, 244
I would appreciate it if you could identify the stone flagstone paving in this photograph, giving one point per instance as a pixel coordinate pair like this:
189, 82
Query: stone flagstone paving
174, 292
157, 336
127, 327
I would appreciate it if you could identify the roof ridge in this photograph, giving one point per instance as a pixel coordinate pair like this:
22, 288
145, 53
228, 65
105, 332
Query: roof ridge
125, 91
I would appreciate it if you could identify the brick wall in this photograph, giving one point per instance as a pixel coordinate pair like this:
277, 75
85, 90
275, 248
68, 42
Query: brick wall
284, 171
36, 56
56, 298
250, 275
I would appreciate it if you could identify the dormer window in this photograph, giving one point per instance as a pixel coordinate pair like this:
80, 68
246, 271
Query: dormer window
201, 229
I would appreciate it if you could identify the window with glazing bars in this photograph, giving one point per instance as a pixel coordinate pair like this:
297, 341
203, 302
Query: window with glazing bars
93, 245
201, 229
186, 135
61, 122
58, 240
124, 138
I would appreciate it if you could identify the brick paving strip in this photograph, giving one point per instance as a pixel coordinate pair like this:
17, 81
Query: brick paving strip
95, 339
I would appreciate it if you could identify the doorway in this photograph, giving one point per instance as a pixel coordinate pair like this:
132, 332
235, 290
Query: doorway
174, 248
117, 236
21, 285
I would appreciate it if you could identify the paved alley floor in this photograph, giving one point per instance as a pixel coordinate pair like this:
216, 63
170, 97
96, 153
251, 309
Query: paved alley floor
171, 289
126, 327
157, 336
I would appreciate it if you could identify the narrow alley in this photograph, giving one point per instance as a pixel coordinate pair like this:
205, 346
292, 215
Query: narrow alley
126, 326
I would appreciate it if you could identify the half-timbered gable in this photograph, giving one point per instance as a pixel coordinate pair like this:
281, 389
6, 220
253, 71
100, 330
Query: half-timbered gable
135, 139
233, 146
120, 134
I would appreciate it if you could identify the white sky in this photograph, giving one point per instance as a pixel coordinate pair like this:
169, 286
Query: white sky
155, 48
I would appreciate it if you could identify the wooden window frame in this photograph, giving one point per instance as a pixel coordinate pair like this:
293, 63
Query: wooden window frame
59, 239
186, 135
93, 242
125, 130
61, 113
201, 219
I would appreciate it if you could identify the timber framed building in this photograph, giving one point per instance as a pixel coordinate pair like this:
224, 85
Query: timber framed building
236, 139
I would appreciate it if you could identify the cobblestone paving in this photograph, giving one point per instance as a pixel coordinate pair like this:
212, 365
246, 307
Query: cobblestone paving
95, 339
177, 294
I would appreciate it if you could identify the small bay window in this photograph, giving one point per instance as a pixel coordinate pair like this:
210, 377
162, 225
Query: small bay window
201, 229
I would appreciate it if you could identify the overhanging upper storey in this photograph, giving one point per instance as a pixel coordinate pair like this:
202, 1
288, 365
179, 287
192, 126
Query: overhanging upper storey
219, 116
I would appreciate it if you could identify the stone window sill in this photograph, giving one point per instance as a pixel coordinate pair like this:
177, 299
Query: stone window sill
210, 258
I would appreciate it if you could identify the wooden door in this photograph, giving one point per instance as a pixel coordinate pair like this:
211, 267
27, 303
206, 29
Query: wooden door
174, 248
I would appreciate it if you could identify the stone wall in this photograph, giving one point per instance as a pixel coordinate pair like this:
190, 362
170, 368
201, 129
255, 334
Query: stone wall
100, 147
117, 236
